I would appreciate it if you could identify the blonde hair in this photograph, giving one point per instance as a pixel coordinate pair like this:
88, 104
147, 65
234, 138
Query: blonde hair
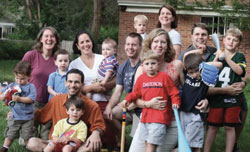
140, 17
149, 55
169, 54
111, 42
235, 32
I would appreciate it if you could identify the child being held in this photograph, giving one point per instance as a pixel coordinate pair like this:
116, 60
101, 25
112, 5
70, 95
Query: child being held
56, 81
108, 67
225, 109
140, 24
193, 91
21, 107
152, 84
71, 132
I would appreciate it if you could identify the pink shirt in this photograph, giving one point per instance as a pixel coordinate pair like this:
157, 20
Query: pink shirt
41, 70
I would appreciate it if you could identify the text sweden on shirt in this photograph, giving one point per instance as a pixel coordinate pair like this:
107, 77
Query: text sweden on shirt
152, 85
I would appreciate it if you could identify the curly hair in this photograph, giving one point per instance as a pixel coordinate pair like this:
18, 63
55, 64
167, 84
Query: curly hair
169, 54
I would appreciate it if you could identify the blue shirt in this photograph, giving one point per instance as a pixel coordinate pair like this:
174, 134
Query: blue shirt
125, 75
57, 82
23, 111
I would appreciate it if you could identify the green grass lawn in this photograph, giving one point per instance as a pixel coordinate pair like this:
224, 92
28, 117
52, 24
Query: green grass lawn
6, 69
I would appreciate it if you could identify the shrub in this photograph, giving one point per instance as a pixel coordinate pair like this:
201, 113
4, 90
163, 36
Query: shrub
13, 49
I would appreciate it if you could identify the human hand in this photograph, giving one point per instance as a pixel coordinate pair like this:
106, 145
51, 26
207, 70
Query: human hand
124, 104
108, 112
131, 106
97, 87
202, 105
15, 98
202, 47
64, 140
233, 89
9, 115
175, 106
94, 143
157, 103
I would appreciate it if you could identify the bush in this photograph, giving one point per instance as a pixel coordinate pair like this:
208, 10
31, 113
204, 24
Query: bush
13, 49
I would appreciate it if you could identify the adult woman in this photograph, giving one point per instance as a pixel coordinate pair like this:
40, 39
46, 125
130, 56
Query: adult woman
88, 63
168, 21
159, 41
42, 62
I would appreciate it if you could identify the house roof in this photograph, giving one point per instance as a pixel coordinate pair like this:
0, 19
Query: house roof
152, 6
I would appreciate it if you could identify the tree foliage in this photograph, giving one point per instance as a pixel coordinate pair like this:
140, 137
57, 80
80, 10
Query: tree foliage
240, 12
67, 16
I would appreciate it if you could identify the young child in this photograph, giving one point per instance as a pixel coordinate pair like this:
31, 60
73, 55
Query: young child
108, 68
140, 24
193, 91
56, 81
71, 132
149, 85
225, 109
22, 106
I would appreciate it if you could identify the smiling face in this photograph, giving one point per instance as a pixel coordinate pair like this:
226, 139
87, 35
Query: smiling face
159, 45
74, 113
166, 17
48, 40
199, 37
85, 45
132, 47
108, 50
73, 84
62, 62
231, 43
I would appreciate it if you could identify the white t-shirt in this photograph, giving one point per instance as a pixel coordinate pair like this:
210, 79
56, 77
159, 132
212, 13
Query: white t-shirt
175, 37
89, 74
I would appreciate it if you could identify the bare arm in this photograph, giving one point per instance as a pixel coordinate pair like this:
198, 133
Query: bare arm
51, 91
2, 97
235, 67
114, 100
106, 78
177, 49
22, 99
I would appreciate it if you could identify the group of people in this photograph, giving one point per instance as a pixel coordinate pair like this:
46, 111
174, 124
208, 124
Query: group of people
77, 110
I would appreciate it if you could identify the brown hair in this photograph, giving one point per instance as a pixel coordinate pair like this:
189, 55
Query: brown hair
169, 54
174, 24
200, 25
61, 51
76, 101
235, 32
192, 61
149, 55
38, 45
136, 35
111, 42
23, 67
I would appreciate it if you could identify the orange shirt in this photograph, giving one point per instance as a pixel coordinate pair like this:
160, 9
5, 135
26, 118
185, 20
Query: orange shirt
55, 110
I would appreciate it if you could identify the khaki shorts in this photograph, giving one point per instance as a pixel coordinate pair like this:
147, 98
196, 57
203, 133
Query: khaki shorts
14, 127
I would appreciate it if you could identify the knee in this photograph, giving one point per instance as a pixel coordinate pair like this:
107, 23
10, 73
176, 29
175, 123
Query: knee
32, 143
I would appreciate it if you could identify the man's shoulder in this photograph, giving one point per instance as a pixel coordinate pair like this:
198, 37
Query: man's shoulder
88, 102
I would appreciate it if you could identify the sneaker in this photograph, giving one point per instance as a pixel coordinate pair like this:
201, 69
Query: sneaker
21, 141
3, 149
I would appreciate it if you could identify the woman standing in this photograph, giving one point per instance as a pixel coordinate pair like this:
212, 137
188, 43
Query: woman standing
42, 62
88, 62
168, 21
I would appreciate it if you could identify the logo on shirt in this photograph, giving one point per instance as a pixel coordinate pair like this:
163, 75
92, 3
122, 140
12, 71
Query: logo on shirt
194, 84
152, 85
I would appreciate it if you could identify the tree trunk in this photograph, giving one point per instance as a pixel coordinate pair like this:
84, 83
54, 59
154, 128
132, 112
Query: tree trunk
28, 8
96, 19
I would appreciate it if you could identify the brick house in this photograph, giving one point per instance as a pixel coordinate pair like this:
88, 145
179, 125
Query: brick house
186, 19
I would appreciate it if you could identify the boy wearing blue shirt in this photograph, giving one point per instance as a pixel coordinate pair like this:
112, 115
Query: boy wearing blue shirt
56, 81
22, 106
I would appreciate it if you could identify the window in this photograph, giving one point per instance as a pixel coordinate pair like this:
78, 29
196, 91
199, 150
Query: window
218, 24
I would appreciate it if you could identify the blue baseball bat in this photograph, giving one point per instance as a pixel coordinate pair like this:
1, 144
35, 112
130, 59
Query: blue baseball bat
183, 145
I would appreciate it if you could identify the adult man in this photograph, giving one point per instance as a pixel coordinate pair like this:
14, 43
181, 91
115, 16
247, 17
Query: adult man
199, 39
125, 81
56, 110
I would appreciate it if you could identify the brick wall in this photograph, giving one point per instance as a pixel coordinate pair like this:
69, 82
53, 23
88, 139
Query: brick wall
184, 28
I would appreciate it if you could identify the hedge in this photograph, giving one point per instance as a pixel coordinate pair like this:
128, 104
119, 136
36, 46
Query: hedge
14, 49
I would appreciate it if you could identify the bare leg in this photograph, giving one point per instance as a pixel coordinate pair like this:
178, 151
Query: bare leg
238, 129
36, 144
150, 147
7, 142
67, 148
210, 136
83, 148
230, 138
49, 148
